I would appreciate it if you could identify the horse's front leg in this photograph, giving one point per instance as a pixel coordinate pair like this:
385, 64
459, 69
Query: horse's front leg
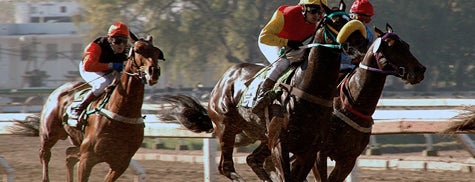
342, 169
320, 167
302, 165
86, 162
72, 157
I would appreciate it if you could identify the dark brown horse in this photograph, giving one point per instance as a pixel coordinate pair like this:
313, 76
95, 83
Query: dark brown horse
351, 122
299, 116
114, 132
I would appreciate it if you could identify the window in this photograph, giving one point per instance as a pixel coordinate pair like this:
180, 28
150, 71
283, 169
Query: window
51, 52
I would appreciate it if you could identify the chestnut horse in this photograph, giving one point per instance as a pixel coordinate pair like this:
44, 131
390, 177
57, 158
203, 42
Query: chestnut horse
115, 129
351, 122
302, 111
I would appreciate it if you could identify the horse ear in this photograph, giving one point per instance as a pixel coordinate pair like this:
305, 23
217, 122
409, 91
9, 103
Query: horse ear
389, 28
342, 5
149, 38
378, 32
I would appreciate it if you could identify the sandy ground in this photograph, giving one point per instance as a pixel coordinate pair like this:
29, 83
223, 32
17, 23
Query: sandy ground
22, 154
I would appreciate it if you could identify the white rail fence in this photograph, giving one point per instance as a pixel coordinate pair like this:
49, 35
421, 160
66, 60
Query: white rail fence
388, 121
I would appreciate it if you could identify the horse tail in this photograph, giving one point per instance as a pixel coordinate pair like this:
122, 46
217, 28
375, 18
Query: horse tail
28, 127
189, 112
467, 124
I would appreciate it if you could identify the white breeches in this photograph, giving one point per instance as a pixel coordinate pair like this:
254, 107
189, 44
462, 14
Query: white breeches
270, 52
98, 80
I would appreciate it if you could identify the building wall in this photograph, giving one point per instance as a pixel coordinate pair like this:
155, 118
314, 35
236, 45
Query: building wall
43, 39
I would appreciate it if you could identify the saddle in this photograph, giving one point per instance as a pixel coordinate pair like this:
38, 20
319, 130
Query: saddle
249, 96
80, 122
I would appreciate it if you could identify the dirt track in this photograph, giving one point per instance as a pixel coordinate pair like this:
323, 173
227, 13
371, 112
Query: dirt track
22, 153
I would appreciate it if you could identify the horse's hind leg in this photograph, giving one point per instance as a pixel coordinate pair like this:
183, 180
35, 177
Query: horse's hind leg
256, 160
72, 157
47, 142
226, 165
45, 157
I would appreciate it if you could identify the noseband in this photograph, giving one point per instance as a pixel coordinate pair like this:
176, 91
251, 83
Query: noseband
140, 72
379, 54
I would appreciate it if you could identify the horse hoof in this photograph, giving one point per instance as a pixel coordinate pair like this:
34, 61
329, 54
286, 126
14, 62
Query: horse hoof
236, 177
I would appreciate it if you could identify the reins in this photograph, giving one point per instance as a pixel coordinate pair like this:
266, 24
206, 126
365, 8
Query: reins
379, 54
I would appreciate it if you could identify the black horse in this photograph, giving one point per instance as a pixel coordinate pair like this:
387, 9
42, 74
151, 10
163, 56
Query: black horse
351, 122
298, 118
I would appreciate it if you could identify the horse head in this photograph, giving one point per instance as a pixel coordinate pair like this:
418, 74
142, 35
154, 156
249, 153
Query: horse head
337, 28
394, 56
144, 58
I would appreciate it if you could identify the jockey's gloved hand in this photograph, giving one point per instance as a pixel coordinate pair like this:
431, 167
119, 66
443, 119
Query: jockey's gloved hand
118, 66
294, 44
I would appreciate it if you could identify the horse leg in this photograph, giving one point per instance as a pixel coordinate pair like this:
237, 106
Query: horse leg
86, 162
342, 169
256, 160
72, 157
47, 142
320, 168
302, 165
226, 165
281, 160
116, 170
45, 157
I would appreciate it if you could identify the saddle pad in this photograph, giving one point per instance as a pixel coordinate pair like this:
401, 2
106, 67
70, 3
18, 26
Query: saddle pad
249, 97
78, 97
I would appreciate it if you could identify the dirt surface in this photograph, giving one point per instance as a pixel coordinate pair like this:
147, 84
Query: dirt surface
22, 154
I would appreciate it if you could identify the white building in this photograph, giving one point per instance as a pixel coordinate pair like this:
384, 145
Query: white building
43, 40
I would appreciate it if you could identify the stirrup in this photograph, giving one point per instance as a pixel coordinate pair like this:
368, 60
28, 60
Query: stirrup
74, 113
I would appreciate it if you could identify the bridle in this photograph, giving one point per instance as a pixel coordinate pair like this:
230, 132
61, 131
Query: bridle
398, 71
141, 74
334, 45
379, 55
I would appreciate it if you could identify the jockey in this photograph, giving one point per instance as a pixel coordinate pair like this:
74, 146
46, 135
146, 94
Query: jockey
289, 27
361, 10
102, 56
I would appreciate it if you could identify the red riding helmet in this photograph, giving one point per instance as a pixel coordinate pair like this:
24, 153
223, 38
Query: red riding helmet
118, 29
362, 7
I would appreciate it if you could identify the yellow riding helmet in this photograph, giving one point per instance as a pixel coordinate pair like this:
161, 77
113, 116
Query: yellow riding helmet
315, 2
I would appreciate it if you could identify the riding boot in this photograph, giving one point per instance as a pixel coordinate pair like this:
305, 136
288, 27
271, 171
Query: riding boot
76, 111
262, 98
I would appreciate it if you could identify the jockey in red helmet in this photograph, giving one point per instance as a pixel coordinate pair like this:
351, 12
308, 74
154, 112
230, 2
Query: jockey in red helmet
102, 56
361, 10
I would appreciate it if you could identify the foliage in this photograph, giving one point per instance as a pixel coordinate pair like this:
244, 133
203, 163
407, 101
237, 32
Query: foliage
202, 38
